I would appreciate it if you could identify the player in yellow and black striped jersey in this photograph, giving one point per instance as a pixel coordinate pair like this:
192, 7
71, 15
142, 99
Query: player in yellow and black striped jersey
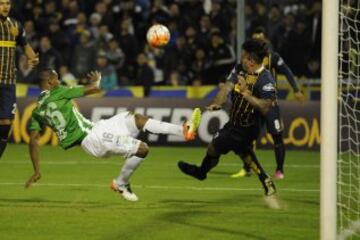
252, 94
274, 62
12, 35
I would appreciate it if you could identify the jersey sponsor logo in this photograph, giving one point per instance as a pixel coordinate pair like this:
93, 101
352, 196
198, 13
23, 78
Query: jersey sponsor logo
269, 87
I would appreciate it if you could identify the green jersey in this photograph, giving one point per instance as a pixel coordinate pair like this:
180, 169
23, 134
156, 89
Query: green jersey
56, 110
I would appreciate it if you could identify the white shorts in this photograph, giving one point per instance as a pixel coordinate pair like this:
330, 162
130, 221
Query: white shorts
114, 136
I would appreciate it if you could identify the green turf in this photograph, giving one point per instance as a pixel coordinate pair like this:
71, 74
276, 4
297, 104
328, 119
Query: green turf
73, 201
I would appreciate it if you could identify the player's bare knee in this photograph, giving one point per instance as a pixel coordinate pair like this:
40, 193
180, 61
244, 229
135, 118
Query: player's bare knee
143, 150
140, 120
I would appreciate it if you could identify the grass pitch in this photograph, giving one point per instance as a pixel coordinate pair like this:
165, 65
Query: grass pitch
73, 199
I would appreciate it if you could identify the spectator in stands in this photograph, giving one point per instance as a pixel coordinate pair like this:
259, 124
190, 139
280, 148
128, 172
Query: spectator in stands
59, 40
144, 74
192, 42
95, 20
274, 22
204, 31
83, 59
129, 45
177, 58
315, 28
49, 57
31, 35
221, 57
156, 59
261, 15
218, 18
199, 68
115, 55
70, 13
159, 12
49, 15
175, 16
109, 76
106, 14
66, 77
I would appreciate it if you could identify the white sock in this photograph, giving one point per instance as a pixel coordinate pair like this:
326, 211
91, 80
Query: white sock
129, 167
158, 127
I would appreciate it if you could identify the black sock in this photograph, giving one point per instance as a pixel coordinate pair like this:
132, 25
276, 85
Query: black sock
279, 152
246, 166
4, 134
208, 163
252, 161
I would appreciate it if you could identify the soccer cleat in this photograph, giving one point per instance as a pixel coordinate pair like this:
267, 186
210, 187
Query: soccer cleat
278, 175
191, 170
269, 187
124, 190
241, 173
190, 126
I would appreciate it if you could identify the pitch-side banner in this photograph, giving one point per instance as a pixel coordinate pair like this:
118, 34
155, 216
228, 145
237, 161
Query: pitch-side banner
301, 121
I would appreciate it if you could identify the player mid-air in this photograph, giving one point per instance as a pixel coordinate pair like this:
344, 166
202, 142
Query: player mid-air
114, 136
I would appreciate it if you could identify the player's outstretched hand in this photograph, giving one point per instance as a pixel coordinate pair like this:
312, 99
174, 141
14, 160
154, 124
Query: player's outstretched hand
94, 76
33, 179
300, 97
213, 107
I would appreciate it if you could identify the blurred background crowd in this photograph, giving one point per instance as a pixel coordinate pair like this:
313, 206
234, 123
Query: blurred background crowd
77, 36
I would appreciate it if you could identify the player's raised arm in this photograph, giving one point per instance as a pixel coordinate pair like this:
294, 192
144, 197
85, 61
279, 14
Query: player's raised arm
94, 83
34, 155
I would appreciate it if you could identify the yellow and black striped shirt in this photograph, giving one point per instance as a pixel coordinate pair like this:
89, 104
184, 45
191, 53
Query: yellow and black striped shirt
12, 34
261, 85
275, 64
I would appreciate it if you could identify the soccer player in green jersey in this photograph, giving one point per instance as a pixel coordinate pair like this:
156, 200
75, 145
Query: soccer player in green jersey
114, 136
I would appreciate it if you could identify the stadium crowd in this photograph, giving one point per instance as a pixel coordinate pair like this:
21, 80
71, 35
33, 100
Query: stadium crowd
77, 36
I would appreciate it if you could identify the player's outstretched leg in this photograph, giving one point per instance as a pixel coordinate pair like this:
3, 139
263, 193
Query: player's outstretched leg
121, 184
279, 148
187, 130
210, 161
265, 180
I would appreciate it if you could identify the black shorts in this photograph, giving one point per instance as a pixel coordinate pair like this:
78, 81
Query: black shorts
237, 139
273, 121
7, 101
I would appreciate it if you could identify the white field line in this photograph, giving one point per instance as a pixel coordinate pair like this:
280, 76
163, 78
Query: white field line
157, 187
10, 162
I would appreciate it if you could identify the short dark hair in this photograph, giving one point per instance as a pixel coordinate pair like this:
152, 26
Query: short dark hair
257, 49
259, 29
45, 74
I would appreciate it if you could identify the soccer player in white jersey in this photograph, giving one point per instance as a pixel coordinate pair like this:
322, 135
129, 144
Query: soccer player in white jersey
114, 136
